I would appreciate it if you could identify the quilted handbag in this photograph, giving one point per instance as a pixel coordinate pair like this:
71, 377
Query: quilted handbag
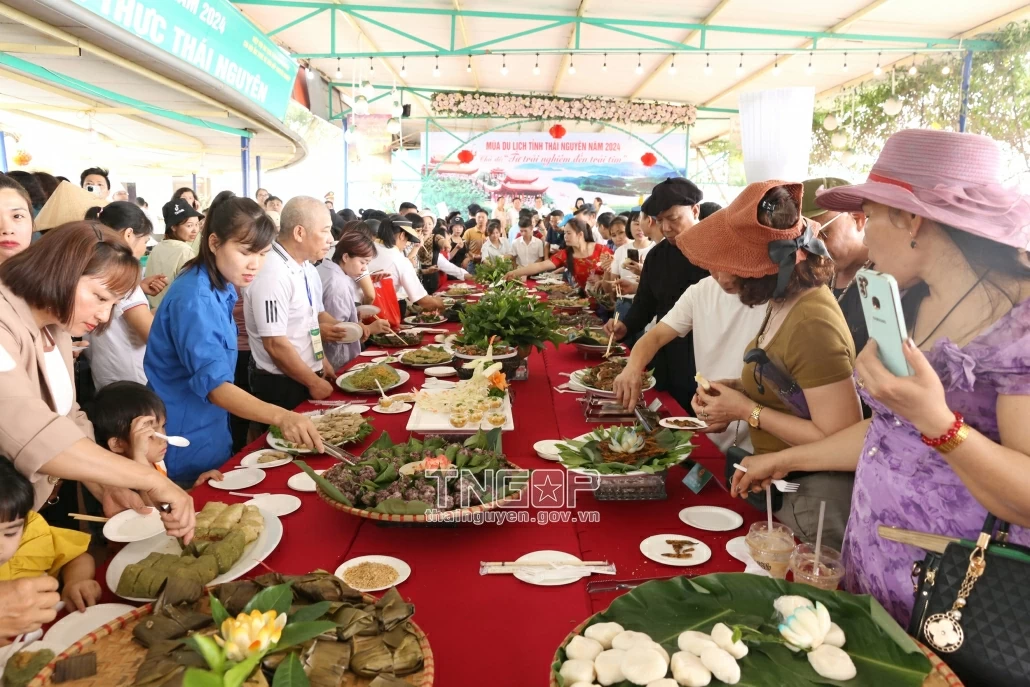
973, 608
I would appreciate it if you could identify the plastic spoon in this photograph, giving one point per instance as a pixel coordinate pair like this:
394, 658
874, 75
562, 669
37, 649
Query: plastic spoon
181, 442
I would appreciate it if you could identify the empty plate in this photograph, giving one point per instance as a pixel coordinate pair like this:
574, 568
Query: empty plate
234, 480
393, 409
442, 371
254, 460
547, 449
74, 626
711, 518
549, 577
130, 526
301, 481
738, 549
276, 504
372, 354
402, 569
658, 549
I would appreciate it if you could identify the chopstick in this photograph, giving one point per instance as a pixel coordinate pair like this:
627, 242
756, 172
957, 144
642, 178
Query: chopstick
393, 333
87, 518
543, 564
611, 337
924, 540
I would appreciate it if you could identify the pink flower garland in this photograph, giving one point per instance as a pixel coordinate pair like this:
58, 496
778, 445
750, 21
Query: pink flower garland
549, 107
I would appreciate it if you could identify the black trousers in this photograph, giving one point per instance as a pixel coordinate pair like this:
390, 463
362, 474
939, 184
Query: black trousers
240, 426
278, 390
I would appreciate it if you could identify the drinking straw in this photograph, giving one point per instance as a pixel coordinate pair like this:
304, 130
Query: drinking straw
819, 535
768, 507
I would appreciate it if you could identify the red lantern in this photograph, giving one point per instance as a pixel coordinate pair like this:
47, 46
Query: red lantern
465, 157
648, 159
556, 131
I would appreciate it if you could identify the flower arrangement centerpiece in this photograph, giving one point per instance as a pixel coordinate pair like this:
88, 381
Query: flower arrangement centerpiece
469, 104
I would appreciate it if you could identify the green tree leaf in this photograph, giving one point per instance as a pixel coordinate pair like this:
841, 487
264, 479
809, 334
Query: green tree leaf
290, 673
195, 677
277, 598
298, 633
209, 650
312, 612
238, 674
218, 612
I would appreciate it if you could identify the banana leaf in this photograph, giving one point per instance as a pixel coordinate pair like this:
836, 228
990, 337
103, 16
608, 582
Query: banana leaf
883, 654
393, 610
389, 681
237, 594
402, 507
371, 656
327, 486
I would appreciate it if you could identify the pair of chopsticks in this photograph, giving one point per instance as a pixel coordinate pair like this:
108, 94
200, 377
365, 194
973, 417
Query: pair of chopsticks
87, 518
394, 334
924, 540
615, 321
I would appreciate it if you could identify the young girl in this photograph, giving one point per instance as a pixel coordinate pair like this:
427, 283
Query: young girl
29, 547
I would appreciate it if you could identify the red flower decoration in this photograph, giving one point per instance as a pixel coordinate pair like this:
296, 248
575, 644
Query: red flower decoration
648, 159
465, 156
557, 131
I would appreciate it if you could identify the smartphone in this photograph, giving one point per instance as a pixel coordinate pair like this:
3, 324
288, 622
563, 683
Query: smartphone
881, 305
633, 254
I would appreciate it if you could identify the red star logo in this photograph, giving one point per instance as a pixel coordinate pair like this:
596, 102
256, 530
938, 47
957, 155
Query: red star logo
548, 490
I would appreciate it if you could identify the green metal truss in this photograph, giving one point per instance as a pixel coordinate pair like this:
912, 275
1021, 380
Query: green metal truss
649, 43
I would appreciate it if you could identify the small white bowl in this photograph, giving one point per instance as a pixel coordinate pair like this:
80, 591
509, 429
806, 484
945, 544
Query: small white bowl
548, 449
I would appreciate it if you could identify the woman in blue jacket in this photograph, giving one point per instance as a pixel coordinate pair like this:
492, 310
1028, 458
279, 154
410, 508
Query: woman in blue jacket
191, 353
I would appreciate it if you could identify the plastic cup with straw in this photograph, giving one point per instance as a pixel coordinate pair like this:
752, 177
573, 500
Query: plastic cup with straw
817, 565
770, 544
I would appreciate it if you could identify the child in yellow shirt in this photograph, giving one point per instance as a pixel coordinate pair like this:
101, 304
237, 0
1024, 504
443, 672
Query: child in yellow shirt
29, 547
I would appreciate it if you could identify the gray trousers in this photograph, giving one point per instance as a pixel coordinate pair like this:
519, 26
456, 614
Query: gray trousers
800, 511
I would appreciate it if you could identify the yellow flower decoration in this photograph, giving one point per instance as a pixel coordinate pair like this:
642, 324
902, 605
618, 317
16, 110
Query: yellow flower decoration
248, 634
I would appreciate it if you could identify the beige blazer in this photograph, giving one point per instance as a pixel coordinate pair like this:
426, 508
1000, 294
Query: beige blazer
31, 432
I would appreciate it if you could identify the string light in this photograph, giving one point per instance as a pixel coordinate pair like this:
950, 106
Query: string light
371, 69
504, 64
468, 67
672, 65
708, 65
572, 67
946, 69
604, 67
776, 65
808, 69
536, 67
740, 67
912, 71
436, 67
404, 69
339, 72
877, 71
640, 67
845, 68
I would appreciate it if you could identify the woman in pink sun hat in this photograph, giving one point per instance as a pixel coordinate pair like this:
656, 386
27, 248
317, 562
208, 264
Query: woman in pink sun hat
940, 220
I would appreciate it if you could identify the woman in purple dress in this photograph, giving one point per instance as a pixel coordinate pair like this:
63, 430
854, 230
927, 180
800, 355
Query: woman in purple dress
941, 221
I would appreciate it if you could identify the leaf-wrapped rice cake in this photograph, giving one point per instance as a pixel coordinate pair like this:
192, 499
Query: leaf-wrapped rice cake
181, 589
166, 562
24, 665
321, 586
392, 609
211, 510
206, 568
229, 518
252, 523
407, 654
155, 628
228, 551
165, 664
353, 621
127, 583
371, 657
237, 594
326, 662
389, 681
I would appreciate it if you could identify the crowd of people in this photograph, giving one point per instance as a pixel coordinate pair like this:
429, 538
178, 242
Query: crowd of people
247, 307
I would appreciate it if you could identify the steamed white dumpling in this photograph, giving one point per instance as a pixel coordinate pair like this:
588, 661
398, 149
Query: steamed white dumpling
583, 684
786, 605
695, 642
664, 682
643, 664
832, 663
628, 639
608, 666
659, 648
723, 666
722, 635
835, 637
603, 633
584, 648
689, 671
577, 670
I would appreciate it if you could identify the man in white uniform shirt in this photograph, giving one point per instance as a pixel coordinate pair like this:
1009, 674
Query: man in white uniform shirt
527, 248
283, 310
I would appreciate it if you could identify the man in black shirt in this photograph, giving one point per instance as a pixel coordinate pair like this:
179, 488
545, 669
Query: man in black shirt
665, 276
555, 238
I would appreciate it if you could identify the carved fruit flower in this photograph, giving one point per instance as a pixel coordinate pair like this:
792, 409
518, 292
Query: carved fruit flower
625, 440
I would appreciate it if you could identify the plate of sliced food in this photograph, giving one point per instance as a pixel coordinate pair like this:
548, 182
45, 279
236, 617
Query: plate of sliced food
425, 318
675, 549
401, 339
230, 540
364, 381
566, 304
428, 356
622, 450
683, 422
335, 428
266, 458
600, 378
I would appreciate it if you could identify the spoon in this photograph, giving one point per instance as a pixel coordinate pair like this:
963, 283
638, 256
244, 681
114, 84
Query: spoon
181, 442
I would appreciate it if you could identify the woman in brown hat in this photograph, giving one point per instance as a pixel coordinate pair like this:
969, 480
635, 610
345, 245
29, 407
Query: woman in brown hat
763, 250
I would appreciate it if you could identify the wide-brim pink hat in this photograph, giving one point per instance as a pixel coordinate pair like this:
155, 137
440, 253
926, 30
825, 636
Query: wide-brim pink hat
951, 178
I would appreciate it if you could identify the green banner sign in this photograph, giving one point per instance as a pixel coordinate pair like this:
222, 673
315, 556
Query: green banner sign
211, 35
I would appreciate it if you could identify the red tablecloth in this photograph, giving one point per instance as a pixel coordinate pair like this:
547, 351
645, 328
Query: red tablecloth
495, 625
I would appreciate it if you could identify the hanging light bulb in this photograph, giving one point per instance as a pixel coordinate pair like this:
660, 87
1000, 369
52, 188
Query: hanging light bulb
708, 64
912, 71
367, 89
468, 67
397, 109
839, 139
877, 71
351, 134
808, 69
604, 67
740, 66
404, 68
946, 69
830, 122
845, 68
436, 67
339, 72
640, 67
848, 157
94, 135
371, 69
572, 67
393, 125
536, 67
776, 65
361, 105
504, 65
672, 66
891, 106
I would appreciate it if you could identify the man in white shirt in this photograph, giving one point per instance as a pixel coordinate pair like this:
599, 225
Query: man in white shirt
284, 315
538, 205
395, 234
503, 213
601, 207
723, 327
527, 249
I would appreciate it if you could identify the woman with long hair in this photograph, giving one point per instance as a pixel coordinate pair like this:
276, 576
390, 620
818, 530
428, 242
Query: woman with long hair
940, 220
762, 249
15, 218
191, 355
582, 258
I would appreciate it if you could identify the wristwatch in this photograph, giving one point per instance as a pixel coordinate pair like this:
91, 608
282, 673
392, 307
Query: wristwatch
755, 412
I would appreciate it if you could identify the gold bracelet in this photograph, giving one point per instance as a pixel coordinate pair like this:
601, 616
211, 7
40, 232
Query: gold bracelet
960, 436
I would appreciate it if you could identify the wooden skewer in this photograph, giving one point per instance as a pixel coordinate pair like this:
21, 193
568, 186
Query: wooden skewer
544, 564
611, 337
924, 540
87, 518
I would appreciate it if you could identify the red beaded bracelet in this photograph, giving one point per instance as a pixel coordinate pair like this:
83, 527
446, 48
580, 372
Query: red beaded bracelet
947, 436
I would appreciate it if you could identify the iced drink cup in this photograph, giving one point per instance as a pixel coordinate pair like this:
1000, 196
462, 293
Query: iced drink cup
831, 569
771, 549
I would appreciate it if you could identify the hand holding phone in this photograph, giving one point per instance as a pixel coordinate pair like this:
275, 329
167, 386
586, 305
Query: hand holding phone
884, 319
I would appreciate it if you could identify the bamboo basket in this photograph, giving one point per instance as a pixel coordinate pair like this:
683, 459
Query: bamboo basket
119, 656
940, 675
444, 517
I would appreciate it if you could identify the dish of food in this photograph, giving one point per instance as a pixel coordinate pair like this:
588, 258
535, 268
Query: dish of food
457, 290
429, 356
683, 422
590, 336
401, 339
675, 549
426, 318
373, 573
334, 428
558, 290
363, 381
569, 303
392, 408
578, 319
229, 542
602, 377
266, 458
625, 450
475, 350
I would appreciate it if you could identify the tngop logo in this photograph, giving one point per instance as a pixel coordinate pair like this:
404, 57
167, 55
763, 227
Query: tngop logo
550, 488
558, 488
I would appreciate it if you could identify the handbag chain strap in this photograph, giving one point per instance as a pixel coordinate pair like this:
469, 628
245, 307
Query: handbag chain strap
943, 631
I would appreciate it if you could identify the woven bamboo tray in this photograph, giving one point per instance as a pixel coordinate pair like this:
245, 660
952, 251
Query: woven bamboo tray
119, 656
457, 515
940, 676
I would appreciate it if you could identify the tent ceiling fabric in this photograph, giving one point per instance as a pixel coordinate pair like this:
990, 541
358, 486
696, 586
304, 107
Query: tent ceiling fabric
312, 35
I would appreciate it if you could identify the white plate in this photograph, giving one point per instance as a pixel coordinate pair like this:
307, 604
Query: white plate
654, 546
738, 549
74, 626
394, 409
301, 481
385, 360
403, 378
251, 460
576, 384
402, 568
441, 371
255, 552
411, 320
440, 423
591, 471
130, 526
711, 518
284, 446
694, 422
276, 504
235, 480
548, 449
549, 579
372, 354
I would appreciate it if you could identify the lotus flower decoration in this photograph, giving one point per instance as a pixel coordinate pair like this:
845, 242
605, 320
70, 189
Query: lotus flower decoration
625, 440
248, 634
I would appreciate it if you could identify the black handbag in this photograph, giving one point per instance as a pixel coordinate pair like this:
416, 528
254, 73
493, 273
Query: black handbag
973, 608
